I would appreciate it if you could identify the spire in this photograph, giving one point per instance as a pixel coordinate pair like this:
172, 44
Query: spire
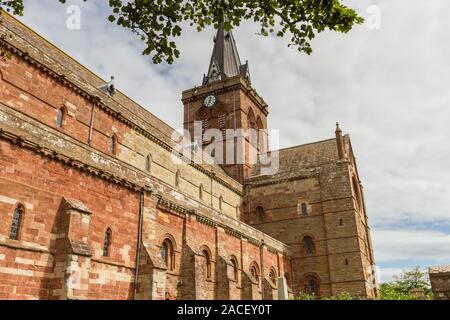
225, 60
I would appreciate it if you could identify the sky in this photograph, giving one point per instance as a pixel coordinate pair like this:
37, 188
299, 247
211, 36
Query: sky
386, 83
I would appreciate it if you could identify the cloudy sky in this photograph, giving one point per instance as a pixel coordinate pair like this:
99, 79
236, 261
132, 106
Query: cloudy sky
388, 88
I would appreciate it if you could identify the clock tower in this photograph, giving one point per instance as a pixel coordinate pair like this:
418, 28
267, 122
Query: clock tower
225, 113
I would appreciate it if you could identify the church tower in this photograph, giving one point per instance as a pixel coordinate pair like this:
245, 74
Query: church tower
226, 101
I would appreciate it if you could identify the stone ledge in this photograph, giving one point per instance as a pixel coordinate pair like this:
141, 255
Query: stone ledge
73, 204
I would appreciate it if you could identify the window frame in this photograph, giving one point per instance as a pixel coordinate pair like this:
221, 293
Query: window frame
148, 163
235, 268
113, 145
308, 244
208, 263
169, 258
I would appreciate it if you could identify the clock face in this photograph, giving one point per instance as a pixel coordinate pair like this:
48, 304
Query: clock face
210, 101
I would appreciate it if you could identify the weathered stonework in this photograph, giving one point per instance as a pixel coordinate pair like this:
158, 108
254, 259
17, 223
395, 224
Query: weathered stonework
440, 282
94, 224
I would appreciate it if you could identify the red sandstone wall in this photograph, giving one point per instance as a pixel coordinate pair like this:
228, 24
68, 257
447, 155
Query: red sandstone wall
34, 267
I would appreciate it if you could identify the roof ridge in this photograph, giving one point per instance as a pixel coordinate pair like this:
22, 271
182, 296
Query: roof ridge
77, 62
304, 145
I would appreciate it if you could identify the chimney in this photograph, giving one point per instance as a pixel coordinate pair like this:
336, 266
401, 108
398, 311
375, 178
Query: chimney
340, 142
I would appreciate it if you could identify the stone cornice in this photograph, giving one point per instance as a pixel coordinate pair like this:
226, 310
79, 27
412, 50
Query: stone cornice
181, 211
162, 203
56, 155
171, 207
118, 114
206, 221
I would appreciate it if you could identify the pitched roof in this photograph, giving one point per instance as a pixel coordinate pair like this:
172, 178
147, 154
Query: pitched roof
303, 160
46, 54
225, 61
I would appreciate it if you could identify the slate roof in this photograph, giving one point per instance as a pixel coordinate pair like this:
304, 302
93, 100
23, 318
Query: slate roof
304, 159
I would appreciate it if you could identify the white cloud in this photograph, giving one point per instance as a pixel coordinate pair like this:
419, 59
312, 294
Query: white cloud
402, 245
387, 87
388, 274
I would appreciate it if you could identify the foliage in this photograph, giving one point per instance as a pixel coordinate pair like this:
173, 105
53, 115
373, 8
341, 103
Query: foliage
305, 296
400, 288
159, 22
340, 296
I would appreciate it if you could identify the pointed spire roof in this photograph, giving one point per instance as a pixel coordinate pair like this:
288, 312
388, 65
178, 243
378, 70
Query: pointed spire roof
225, 61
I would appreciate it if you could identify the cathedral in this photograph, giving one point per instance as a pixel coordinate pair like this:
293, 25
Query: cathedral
94, 205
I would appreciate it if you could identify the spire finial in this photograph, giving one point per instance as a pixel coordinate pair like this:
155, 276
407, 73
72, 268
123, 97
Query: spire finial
339, 141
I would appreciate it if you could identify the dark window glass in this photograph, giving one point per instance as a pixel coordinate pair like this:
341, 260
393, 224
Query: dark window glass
304, 209
308, 244
273, 276
312, 287
60, 118
107, 242
164, 250
260, 214
16, 222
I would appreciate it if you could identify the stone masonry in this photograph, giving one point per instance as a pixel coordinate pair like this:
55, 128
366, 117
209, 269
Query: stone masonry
93, 207
440, 282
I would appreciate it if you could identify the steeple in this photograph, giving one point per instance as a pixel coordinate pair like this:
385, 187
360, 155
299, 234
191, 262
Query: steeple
225, 61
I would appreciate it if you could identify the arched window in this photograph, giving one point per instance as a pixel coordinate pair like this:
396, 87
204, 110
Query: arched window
208, 263
220, 203
112, 148
341, 222
273, 276
235, 270
16, 222
260, 214
200, 192
251, 122
167, 254
308, 245
148, 163
107, 242
346, 262
205, 127
260, 138
254, 272
60, 117
304, 208
177, 178
312, 286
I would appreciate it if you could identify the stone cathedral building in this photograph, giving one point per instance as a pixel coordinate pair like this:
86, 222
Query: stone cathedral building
92, 205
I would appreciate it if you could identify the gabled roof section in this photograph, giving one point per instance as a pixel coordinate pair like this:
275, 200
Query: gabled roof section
225, 61
300, 160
